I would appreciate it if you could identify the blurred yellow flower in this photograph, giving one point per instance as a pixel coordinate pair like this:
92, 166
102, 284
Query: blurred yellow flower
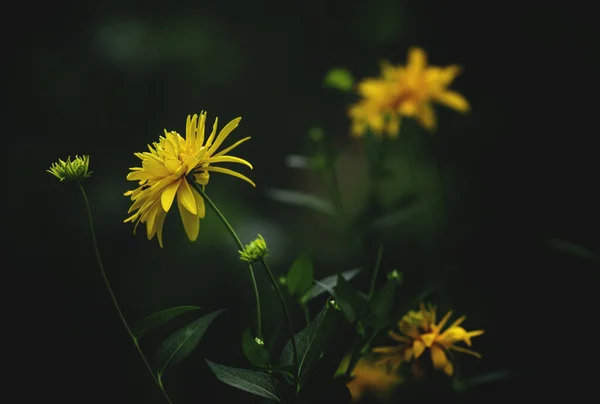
420, 332
404, 91
370, 378
165, 167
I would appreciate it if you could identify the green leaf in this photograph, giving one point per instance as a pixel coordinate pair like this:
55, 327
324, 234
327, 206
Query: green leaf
351, 302
338, 78
301, 276
381, 305
257, 383
328, 283
159, 318
256, 353
181, 343
573, 249
288, 371
301, 199
311, 342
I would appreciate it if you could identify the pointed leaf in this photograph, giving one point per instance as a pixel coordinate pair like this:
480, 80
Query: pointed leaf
159, 318
257, 383
181, 343
256, 353
381, 305
288, 371
328, 283
351, 302
301, 276
311, 342
301, 199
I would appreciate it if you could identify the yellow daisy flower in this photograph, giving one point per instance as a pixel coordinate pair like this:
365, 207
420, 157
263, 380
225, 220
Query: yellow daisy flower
404, 91
370, 378
165, 167
420, 332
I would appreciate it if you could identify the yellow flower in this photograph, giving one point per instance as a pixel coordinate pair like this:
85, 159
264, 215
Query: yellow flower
404, 91
165, 167
420, 332
71, 170
370, 378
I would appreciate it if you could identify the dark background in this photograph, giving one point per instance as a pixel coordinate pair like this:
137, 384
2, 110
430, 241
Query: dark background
105, 78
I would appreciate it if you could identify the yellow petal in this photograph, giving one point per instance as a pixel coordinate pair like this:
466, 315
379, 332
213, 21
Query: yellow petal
200, 207
151, 220
465, 351
202, 177
223, 135
158, 224
418, 348
388, 349
453, 100
167, 195
154, 168
428, 339
426, 116
417, 60
230, 172
438, 357
186, 198
227, 159
449, 368
230, 148
393, 126
191, 222
172, 165
397, 337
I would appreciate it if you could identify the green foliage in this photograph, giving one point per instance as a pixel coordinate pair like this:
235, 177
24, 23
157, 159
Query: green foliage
302, 199
258, 383
159, 318
254, 350
182, 343
381, 304
328, 283
350, 301
300, 278
311, 343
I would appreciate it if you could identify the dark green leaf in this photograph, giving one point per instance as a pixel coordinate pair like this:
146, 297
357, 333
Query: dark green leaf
311, 342
257, 383
328, 283
301, 199
300, 278
257, 354
157, 319
285, 370
181, 343
381, 305
351, 302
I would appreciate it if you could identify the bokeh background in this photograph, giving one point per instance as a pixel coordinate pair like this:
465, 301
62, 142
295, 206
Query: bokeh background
105, 78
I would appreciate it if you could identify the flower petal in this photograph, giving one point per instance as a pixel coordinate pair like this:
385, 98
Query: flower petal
438, 357
167, 195
453, 100
426, 116
191, 222
186, 198
230, 172
418, 348
223, 135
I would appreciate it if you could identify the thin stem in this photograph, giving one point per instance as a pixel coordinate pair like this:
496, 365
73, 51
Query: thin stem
376, 271
284, 307
112, 295
238, 242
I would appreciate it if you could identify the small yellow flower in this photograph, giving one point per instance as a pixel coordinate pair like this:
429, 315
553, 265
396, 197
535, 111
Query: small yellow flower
420, 332
254, 251
165, 167
404, 91
77, 169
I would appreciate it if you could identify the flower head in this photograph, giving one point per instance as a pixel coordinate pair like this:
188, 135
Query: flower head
420, 332
77, 169
370, 378
162, 178
404, 91
254, 251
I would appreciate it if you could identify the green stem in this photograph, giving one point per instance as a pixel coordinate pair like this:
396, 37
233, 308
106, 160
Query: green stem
376, 271
114, 299
330, 174
238, 242
285, 309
